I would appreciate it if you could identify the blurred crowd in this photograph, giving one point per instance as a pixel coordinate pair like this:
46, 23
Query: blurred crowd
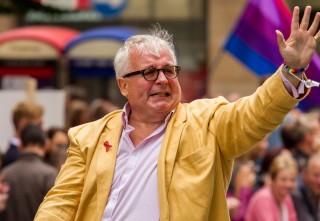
34, 155
280, 177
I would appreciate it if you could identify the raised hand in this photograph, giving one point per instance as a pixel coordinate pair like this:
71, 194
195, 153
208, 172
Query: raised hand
299, 48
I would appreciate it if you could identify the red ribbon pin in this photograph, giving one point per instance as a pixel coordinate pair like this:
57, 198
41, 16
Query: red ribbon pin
107, 146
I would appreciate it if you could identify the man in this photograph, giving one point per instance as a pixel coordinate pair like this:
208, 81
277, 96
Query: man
301, 137
56, 146
159, 159
23, 113
29, 178
306, 196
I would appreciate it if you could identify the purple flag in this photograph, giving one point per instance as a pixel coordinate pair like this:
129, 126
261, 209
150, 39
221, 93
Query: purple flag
254, 42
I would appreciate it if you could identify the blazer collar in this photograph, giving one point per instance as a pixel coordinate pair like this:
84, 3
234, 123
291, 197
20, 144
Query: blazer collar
106, 159
167, 156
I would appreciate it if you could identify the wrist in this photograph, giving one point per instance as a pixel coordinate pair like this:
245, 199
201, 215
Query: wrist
293, 79
294, 71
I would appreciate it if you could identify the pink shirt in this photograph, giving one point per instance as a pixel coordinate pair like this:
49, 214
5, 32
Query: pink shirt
134, 190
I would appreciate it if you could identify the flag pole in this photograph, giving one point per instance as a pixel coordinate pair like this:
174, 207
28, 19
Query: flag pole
213, 64
215, 61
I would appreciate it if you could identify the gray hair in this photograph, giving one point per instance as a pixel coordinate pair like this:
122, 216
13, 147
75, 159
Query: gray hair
157, 40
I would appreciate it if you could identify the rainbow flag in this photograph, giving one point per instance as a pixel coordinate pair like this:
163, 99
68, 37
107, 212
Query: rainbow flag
254, 42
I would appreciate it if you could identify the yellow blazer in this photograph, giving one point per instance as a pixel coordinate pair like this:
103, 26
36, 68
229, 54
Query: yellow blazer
195, 162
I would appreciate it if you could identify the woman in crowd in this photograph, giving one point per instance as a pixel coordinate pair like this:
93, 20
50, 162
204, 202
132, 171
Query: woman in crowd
273, 202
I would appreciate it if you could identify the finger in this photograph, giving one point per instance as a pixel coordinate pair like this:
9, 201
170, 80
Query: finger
305, 19
314, 26
280, 39
295, 19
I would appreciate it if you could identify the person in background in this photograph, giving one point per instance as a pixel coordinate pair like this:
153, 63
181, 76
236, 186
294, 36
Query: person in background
58, 137
56, 146
74, 92
58, 157
160, 159
100, 107
301, 137
22, 114
315, 110
241, 189
256, 154
29, 178
274, 203
263, 177
4, 193
76, 100
234, 97
4, 189
78, 113
288, 137
274, 138
306, 196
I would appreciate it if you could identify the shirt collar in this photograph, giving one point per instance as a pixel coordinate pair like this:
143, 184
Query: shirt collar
14, 141
127, 109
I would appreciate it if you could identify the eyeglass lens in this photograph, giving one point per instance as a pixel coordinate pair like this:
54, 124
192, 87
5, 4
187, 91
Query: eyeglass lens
152, 73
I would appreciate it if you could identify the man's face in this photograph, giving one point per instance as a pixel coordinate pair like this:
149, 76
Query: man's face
152, 99
316, 137
311, 176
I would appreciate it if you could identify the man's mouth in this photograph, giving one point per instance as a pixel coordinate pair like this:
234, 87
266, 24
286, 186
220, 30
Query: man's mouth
164, 94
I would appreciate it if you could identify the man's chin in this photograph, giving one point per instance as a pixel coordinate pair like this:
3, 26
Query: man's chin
161, 107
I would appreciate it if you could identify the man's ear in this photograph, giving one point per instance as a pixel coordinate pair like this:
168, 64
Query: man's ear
123, 85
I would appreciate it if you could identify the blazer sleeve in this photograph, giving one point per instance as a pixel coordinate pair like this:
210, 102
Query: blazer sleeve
61, 202
239, 125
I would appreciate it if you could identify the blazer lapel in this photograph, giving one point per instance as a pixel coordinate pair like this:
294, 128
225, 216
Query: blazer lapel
167, 158
106, 161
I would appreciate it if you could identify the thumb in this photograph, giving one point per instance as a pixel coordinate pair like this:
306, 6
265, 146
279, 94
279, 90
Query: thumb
280, 40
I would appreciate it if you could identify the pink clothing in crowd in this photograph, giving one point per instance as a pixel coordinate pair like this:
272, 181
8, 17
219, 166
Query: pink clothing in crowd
263, 207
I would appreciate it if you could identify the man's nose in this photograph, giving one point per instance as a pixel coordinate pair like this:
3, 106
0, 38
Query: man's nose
161, 76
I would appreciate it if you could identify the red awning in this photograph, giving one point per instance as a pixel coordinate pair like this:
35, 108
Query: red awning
58, 37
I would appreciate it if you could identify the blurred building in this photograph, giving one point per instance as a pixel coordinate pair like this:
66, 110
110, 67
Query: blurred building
185, 19
199, 29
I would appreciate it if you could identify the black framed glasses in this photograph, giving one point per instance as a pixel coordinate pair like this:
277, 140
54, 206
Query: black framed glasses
151, 74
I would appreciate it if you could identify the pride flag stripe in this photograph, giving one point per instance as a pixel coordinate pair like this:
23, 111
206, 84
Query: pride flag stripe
253, 41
